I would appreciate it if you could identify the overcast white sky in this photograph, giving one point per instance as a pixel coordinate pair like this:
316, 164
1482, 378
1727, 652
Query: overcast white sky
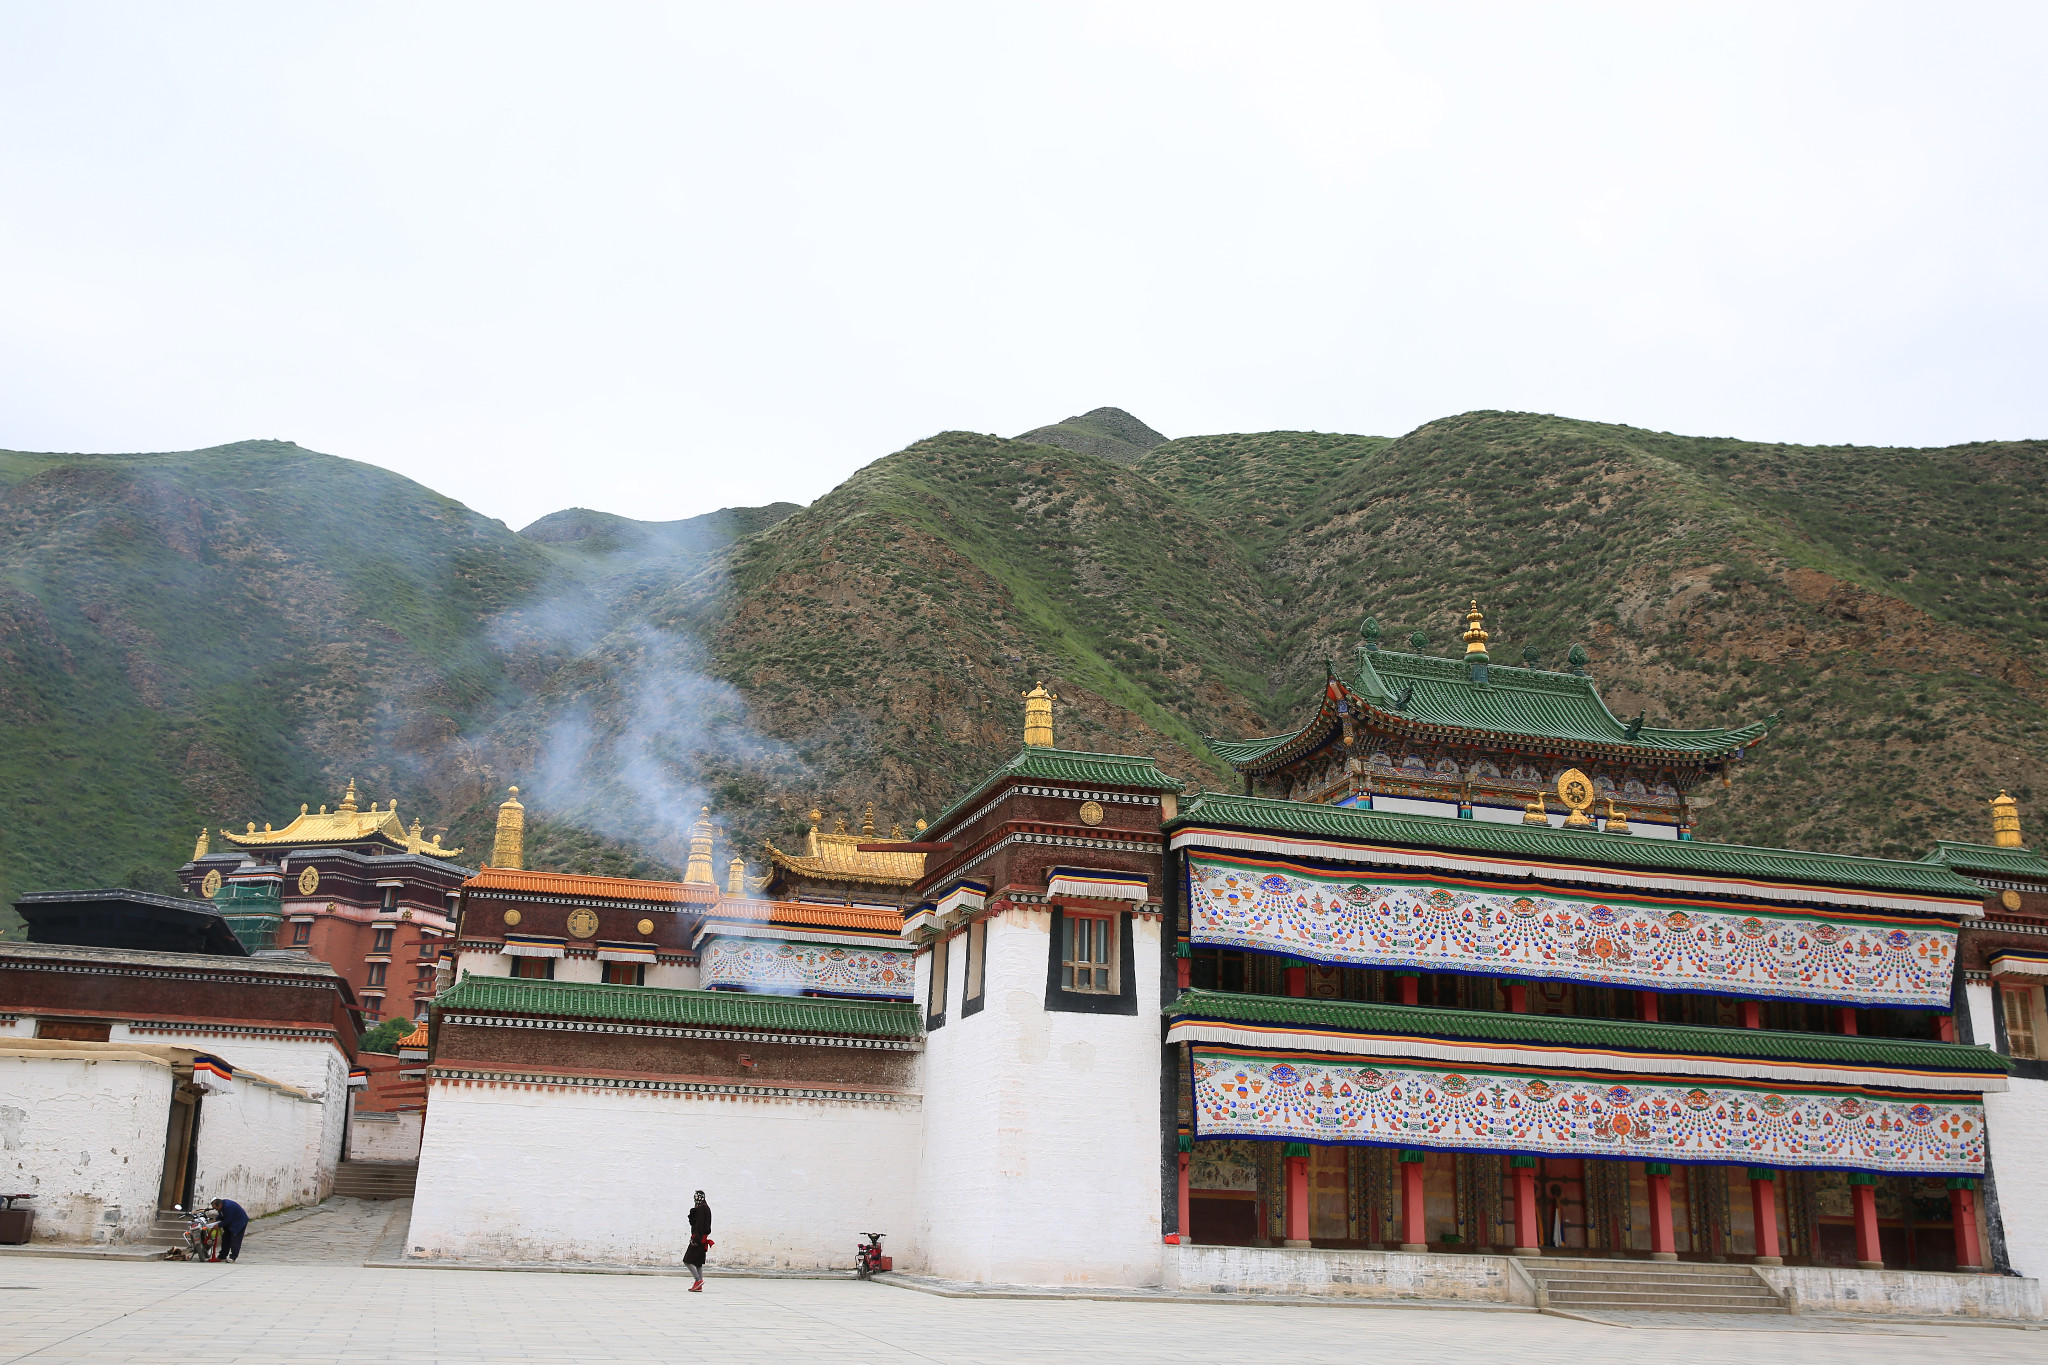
660, 259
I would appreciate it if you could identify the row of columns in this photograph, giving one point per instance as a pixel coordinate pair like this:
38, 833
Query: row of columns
1763, 1202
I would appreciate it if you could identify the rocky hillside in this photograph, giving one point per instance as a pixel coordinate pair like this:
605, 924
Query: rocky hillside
215, 636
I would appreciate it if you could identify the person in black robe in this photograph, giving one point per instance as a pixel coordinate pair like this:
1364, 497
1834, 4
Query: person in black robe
234, 1221
700, 1240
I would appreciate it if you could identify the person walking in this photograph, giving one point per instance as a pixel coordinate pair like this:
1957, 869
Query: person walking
234, 1221
700, 1241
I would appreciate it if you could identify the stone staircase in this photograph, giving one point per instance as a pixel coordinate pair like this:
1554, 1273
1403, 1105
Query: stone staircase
168, 1230
375, 1179
1603, 1286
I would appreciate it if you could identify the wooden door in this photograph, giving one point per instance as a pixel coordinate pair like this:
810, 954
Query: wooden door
1329, 1194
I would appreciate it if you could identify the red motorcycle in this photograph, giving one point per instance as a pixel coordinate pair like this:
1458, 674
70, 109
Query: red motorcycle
868, 1258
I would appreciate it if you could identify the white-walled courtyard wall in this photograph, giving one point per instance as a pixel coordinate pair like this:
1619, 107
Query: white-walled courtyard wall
86, 1137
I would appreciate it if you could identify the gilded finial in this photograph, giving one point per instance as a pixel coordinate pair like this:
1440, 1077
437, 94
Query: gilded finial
839, 826
736, 877
699, 867
510, 848
200, 849
1475, 634
896, 832
302, 808
1038, 717
815, 816
920, 826
413, 839
867, 823
348, 799
2005, 822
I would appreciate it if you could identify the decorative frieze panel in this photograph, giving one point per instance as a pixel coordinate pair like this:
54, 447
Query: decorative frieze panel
1634, 942
791, 968
1306, 1098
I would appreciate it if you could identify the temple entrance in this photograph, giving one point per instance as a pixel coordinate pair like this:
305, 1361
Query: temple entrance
180, 1134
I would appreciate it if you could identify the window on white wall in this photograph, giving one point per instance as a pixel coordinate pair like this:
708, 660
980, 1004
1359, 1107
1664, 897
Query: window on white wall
1088, 959
935, 1006
2020, 1030
977, 950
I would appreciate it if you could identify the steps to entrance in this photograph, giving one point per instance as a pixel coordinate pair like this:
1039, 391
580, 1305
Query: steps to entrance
375, 1179
168, 1230
1594, 1286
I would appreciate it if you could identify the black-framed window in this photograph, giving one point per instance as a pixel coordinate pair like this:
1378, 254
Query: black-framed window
302, 933
625, 973
534, 968
977, 968
1122, 995
935, 1001
1088, 956
380, 941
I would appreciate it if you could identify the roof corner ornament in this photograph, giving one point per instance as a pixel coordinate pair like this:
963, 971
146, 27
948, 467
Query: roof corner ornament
1400, 703
1528, 656
199, 850
1577, 659
1370, 633
1419, 641
509, 849
1634, 728
2005, 822
1038, 717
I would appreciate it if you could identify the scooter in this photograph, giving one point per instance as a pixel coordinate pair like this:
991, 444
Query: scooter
868, 1258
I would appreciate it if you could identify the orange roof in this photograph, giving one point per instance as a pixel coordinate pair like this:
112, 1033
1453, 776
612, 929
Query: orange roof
810, 916
603, 888
417, 1038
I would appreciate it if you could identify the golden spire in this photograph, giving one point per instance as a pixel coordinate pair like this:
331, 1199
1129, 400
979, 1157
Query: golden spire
867, 824
413, 841
510, 849
814, 817
1475, 632
699, 866
736, 877
1535, 813
199, 850
1038, 717
348, 799
2005, 822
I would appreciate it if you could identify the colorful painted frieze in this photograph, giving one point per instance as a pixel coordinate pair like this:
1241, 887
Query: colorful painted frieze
1635, 942
787, 968
1295, 1097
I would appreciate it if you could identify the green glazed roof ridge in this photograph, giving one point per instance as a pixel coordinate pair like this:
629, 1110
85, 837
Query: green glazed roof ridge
1987, 857
1619, 850
654, 1004
1367, 1017
1068, 765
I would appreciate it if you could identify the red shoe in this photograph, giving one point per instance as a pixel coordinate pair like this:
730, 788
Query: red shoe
697, 1288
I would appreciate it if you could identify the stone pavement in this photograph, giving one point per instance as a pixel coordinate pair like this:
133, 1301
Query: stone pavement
55, 1311
339, 1232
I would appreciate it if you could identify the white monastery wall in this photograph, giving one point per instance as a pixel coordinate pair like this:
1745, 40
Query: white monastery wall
671, 977
668, 976
582, 1174
385, 1137
1907, 1293
259, 1146
21, 1027
1341, 1274
318, 1067
2016, 1120
482, 964
87, 1139
1040, 1161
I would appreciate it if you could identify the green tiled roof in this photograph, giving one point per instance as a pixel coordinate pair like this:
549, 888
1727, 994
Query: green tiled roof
1513, 702
1545, 1030
1574, 846
1067, 765
2017, 862
689, 1009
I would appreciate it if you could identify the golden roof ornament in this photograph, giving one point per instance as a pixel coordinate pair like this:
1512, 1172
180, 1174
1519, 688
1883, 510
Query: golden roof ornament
736, 877
2005, 822
1475, 634
1617, 819
348, 799
815, 816
1577, 791
413, 841
509, 850
867, 824
699, 867
1535, 813
199, 850
1038, 717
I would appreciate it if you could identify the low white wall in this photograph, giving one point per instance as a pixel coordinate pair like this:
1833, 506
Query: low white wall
1364, 1274
2015, 1121
1904, 1293
259, 1146
578, 1174
385, 1137
87, 1139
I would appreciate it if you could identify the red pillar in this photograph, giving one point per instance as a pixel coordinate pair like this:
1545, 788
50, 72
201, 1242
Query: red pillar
1945, 1027
1411, 990
1646, 1006
1663, 1246
1528, 1238
1869, 1251
1846, 1017
1962, 1208
1752, 1014
1183, 972
1518, 997
1297, 980
1182, 1199
1297, 1199
1763, 1211
1414, 1231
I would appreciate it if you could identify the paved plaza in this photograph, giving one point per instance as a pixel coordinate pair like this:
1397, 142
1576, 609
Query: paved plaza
302, 1294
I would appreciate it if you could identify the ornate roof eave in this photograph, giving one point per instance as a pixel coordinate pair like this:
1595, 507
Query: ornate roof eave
812, 867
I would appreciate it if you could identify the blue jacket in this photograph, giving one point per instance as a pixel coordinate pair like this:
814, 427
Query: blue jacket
233, 1216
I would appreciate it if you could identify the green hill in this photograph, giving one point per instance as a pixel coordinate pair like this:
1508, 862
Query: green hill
215, 636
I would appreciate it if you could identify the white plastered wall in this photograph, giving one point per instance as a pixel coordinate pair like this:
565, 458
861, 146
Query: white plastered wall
1040, 1162
259, 1146
314, 1065
575, 1174
385, 1137
2016, 1120
87, 1139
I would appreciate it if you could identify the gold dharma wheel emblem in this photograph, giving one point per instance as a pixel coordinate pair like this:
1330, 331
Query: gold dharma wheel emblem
309, 881
646, 927
210, 887
1091, 812
1577, 791
2009, 899
582, 923
512, 917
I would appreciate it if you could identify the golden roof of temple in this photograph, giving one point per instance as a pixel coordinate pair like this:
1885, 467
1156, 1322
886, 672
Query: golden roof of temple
836, 857
344, 825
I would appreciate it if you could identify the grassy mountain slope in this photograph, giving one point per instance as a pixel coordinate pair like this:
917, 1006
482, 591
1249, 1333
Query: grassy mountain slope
217, 635
1111, 433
